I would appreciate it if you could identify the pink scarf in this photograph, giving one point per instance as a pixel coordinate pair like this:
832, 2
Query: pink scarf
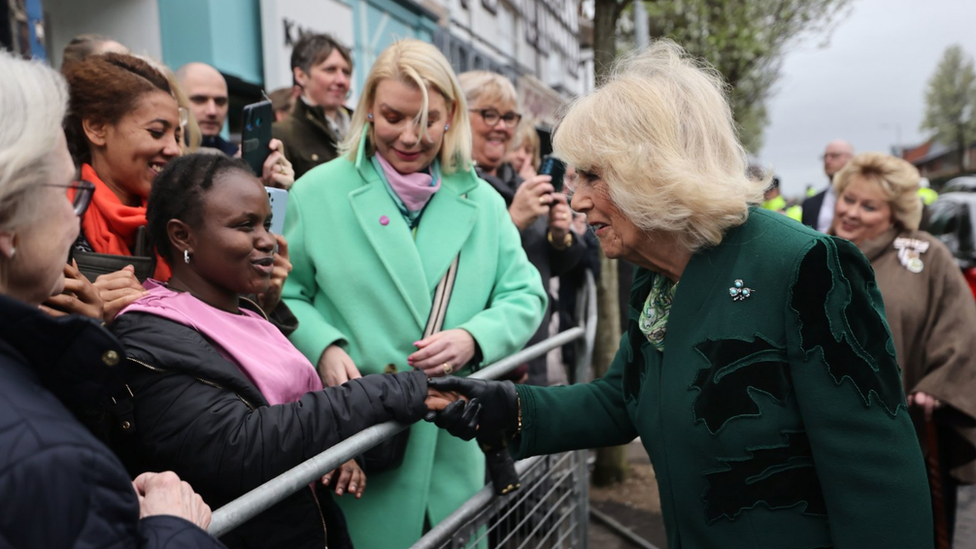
414, 189
253, 344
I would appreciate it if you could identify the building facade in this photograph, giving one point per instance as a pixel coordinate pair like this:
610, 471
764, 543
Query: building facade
533, 42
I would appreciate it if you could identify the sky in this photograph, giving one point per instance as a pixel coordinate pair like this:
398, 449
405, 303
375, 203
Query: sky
866, 85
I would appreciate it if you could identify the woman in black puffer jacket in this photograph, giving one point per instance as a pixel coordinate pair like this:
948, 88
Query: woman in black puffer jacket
219, 395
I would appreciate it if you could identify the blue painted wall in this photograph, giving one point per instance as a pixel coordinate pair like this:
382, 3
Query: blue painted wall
378, 23
227, 33
222, 33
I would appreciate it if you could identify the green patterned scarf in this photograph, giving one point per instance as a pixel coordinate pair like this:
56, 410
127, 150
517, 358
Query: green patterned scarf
653, 321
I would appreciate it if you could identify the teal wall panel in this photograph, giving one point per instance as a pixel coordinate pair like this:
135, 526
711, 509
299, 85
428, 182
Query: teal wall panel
222, 33
227, 33
236, 27
184, 27
378, 23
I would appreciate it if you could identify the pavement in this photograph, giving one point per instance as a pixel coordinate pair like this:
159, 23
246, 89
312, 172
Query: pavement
633, 503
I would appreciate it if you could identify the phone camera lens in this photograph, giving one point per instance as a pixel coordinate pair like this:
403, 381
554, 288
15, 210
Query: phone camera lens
258, 122
249, 127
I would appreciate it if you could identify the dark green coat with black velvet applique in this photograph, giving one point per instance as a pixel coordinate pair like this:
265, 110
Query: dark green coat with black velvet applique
776, 421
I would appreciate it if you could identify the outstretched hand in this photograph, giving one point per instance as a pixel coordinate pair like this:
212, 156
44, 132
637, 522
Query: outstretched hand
351, 479
493, 406
439, 400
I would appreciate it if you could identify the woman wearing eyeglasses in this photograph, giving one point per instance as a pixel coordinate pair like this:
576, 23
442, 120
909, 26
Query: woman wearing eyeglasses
542, 216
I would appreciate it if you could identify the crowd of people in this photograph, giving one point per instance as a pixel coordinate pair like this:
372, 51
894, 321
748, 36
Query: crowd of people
152, 327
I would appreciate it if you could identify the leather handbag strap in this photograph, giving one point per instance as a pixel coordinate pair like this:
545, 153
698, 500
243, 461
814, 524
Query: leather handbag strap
442, 297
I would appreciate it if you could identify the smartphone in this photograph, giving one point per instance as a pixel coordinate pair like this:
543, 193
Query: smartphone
256, 135
556, 168
279, 205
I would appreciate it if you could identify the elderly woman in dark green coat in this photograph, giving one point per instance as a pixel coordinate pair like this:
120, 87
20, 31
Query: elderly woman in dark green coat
757, 366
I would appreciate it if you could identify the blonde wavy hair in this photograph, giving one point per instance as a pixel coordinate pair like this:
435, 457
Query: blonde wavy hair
659, 132
486, 87
418, 64
898, 179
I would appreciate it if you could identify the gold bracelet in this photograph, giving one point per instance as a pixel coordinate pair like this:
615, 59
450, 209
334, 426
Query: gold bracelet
567, 241
518, 401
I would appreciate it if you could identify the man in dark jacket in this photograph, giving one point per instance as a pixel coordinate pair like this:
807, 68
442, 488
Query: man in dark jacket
818, 210
61, 487
207, 90
319, 120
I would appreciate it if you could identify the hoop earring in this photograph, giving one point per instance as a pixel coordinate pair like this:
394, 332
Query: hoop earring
186, 256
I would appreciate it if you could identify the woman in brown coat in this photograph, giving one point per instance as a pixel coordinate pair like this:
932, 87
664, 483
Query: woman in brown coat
929, 308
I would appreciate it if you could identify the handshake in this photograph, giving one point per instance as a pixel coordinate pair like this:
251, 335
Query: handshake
486, 410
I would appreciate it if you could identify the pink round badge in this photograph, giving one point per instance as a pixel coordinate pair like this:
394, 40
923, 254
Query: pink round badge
384, 220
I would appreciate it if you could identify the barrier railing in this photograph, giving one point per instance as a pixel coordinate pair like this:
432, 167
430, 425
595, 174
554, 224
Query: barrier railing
261, 498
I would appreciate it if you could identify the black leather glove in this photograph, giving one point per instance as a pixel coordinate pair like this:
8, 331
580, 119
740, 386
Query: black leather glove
498, 406
491, 415
460, 418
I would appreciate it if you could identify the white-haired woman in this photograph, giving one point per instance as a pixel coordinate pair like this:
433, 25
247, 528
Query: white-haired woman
543, 217
60, 486
371, 235
757, 367
927, 303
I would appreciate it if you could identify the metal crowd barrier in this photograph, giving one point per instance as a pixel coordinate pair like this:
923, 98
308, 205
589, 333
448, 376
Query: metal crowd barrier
550, 510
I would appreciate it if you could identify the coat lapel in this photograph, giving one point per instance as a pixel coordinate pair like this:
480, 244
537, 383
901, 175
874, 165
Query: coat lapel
445, 226
392, 242
705, 279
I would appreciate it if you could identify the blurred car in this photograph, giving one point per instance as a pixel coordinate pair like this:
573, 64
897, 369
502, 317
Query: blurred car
965, 184
951, 220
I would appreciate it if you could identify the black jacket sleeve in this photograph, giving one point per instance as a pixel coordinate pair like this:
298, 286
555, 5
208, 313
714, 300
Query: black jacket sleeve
170, 532
196, 414
71, 496
564, 260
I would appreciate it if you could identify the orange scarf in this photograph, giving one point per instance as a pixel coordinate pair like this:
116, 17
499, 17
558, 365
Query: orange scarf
110, 226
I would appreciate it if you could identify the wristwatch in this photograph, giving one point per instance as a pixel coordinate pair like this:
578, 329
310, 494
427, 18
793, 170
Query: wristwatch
567, 241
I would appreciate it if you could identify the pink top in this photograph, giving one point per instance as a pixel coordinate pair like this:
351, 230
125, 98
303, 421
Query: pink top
262, 353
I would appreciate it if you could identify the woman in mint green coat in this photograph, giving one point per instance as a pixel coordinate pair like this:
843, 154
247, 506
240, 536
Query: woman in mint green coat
371, 234
757, 367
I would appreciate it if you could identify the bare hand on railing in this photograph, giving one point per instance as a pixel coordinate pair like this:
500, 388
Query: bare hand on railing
165, 494
352, 479
443, 352
336, 366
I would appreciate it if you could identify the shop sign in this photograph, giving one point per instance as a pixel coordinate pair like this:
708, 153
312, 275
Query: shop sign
284, 22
